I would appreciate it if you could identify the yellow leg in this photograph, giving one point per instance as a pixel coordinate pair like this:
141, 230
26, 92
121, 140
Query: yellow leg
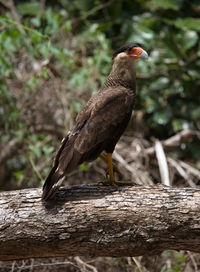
111, 178
107, 158
104, 157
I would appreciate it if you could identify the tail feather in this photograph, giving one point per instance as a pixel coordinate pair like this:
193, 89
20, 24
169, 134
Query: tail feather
52, 184
67, 159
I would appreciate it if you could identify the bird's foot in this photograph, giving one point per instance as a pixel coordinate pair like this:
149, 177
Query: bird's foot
124, 183
108, 182
115, 183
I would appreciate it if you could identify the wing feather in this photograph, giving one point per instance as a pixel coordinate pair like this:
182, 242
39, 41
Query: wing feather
107, 112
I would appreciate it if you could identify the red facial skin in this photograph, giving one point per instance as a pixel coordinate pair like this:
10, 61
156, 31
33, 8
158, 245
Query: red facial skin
135, 52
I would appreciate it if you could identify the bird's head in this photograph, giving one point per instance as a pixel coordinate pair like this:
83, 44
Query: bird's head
134, 51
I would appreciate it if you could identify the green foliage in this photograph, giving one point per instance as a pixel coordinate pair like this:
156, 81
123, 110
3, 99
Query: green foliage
164, 4
177, 260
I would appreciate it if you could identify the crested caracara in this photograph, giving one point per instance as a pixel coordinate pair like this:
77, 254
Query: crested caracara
101, 122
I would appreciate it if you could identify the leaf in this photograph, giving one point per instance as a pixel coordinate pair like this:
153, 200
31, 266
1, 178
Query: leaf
77, 106
36, 149
187, 39
164, 4
47, 149
19, 177
84, 167
150, 105
179, 124
67, 26
196, 113
30, 8
176, 268
36, 21
83, 5
162, 117
187, 23
19, 174
160, 83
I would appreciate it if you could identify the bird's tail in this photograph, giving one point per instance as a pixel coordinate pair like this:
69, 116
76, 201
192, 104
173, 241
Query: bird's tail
67, 159
52, 183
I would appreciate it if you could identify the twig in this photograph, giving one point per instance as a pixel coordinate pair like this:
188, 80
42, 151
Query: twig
44, 36
162, 163
123, 162
48, 264
84, 265
181, 171
13, 266
195, 172
9, 4
193, 261
35, 168
138, 264
95, 9
176, 140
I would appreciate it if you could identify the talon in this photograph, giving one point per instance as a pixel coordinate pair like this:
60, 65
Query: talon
107, 182
124, 183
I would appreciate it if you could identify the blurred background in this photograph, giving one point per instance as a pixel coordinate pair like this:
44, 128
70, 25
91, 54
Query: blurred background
54, 55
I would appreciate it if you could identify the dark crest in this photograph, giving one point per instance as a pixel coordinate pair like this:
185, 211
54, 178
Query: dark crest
125, 48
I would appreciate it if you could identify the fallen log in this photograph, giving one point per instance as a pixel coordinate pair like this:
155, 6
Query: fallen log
97, 220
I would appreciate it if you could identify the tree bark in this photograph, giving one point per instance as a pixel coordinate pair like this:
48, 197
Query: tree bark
99, 220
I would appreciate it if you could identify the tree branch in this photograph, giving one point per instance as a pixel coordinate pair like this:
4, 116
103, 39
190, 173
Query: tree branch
99, 221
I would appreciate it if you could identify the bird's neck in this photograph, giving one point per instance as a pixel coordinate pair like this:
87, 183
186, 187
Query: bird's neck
122, 73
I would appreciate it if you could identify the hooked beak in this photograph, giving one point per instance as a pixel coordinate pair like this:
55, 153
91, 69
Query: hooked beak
144, 54
138, 53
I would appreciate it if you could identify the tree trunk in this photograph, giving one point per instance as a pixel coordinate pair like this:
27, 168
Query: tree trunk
99, 221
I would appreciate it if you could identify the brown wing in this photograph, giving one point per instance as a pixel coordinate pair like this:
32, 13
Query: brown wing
95, 124
107, 112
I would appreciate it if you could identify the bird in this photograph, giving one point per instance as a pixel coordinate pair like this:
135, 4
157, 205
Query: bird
101, 122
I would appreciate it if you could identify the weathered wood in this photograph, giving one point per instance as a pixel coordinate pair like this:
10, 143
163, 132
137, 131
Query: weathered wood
99, 221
